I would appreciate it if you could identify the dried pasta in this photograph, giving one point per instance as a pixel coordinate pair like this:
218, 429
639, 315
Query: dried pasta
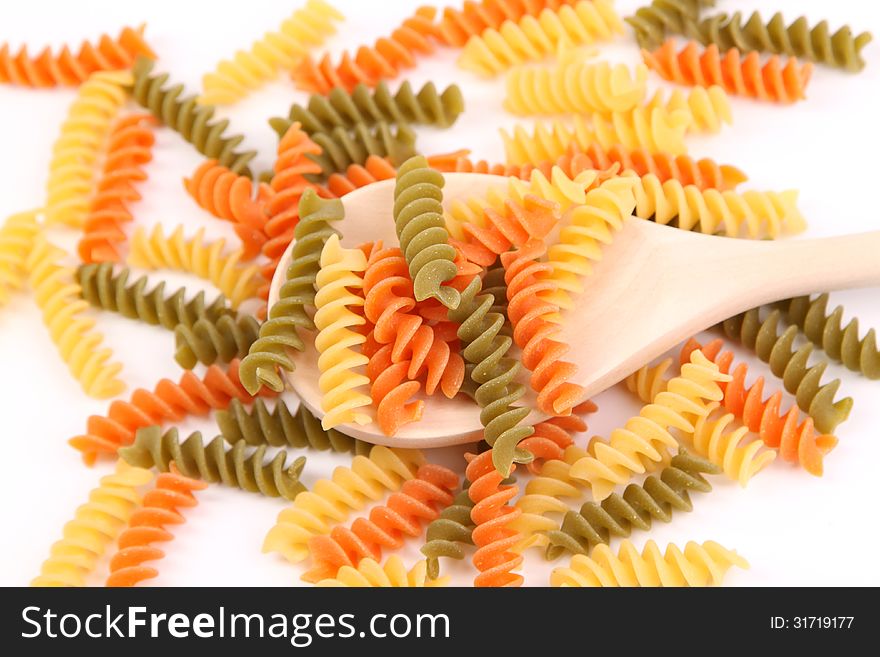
78, 146
653, 128
58, 297
534, 37
355, 176
617, 515
699, 565
418, 220
129, 149
645, 439
162, 506
392, 391
415, 37
800, 378
338, 288
741, 75
288, 315
340, 148
17, 236
841, 49
706, 107
369, 573
215, 463
447, 532
48, 69
649, 381
331, 501
343, 109
234, 198
93, 528
280, 427
456, 26
418, 501
753, 214
167, 402
826, 331
574, 86
194, 122
207, 260
235, 78
654, 21
109, 290
207, 341
795, 438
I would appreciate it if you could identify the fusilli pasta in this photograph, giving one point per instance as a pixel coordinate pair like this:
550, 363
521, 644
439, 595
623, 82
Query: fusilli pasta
17, 236
208, 340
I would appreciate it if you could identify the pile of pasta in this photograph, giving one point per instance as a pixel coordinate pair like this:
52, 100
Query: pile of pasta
467, 303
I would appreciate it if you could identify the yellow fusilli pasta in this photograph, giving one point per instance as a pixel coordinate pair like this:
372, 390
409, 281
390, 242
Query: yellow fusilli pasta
575, 86
707, 107
83, 133
342, 384
751, 213
234, 78
699, 565
59, 297
369, 573
204, 259
95, 526
330, 501
17, 235
649, 381
534, 37
645, 440
654, 129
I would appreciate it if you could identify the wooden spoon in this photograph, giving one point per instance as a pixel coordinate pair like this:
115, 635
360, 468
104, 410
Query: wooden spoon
654, 287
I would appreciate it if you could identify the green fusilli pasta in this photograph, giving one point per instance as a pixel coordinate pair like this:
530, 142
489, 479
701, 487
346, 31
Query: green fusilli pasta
654, 22
341, 148
208, 341
446, 534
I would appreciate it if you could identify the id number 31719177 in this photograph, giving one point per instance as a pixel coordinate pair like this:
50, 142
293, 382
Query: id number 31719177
811, 622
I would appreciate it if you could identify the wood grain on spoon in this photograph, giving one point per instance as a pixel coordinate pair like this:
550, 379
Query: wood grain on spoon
654, 287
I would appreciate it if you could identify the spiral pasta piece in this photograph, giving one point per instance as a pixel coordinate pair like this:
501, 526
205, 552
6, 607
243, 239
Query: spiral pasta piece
373, 169
795, 438
331, 501
392, 391
705, 173
574, 86
338, 288
447, 532
93, 528
81, 138
737, 74
282, 208
645, 438
369, 65
699, 565
792, 365
752, 214
456, 26
233, 79
107, 290
162, 506
194, 122
827, 332
653, 22
418, 219
369, 573
167, 402
214, 463
841, 49
655, 499
534, 37
542, 352
343, 109
287, 316
195, 255
130, 147
58, 297
706, 107
17, 236
48, 69
494, 372
652, 128
232, 197
341, 148
649, 381
207, 341
418, 501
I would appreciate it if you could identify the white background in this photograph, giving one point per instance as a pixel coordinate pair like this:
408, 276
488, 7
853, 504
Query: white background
794, 529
